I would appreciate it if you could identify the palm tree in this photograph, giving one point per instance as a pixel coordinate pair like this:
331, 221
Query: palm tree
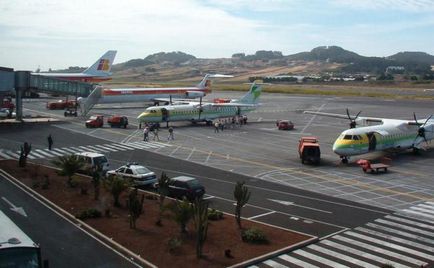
242, 196
69, 165
116, 185
163, 191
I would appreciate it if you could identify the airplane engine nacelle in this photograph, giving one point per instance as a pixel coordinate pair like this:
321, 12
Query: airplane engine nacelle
194, 94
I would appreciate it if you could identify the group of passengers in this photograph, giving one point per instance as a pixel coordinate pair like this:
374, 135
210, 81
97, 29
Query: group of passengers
155, 129
229, 122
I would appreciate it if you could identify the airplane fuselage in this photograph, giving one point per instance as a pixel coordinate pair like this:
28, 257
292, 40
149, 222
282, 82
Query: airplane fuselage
396, 135
190, 112
149, 94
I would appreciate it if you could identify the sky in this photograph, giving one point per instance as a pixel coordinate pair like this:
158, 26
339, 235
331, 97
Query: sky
61, 33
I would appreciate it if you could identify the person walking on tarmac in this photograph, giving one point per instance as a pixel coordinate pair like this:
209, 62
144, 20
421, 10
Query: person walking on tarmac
170, 137
216, 127
50, 141
156, 134
146, 134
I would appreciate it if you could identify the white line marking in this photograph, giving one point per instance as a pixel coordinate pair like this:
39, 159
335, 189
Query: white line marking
174, 151
52, 152
313, 117
320, 259
261, 215
392, 246
341, 256
191, 153
295, 261
209, 155
401, 233
401, 226
5, 155
359, 252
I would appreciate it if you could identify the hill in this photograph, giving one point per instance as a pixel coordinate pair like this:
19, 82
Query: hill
176, 66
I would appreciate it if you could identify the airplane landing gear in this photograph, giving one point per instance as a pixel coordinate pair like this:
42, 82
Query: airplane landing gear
344, 160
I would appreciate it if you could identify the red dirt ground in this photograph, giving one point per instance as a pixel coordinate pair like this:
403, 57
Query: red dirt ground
149, 240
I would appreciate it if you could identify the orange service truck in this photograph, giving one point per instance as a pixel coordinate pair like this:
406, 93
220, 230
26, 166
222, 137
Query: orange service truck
309, 150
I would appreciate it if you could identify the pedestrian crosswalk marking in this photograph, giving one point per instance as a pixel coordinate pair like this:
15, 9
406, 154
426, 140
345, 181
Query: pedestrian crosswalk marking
5, 156
358, 252
53, 152
298, 262
396, 239
408, 228
422, 225
418, 213
401, 233
98, 148
393, 246
274, 264
36, 155
320, 259
342, 256
105, 147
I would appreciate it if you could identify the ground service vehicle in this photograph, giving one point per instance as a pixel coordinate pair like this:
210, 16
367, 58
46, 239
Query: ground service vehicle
61, 104
138, 174
95, 121
309, 150
284, 125
367, 166
185, 186
16, 248
118, 121
93, 160
70, 112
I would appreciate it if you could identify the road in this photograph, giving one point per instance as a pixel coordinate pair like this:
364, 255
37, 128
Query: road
62, 243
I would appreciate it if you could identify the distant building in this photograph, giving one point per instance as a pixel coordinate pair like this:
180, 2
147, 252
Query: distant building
395, 69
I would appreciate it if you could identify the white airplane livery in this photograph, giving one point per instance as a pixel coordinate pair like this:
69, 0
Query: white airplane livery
385, 135
99, 71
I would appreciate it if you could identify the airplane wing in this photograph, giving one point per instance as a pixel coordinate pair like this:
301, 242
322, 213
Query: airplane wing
235, 104
344, 116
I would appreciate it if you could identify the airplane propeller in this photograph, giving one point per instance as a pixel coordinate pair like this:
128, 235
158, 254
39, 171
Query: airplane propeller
421, 130
353, 121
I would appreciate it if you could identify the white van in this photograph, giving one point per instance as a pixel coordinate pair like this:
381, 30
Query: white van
93, 160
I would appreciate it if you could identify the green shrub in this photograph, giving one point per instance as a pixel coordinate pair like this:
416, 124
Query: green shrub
174, 244
90, 213
46, 183
215, 215
254, 235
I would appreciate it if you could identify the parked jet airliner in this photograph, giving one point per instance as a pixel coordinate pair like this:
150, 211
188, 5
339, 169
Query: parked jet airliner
99, 71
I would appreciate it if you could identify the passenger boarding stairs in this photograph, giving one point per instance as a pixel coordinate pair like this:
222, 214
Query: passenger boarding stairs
86, 104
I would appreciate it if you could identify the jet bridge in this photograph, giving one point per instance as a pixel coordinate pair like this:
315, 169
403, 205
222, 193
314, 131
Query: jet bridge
22, 81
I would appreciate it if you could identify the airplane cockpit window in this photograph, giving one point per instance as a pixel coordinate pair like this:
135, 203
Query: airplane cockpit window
347, 137
356, 137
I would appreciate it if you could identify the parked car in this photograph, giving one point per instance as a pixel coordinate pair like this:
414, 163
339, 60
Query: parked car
95, 121
284, 125
140, 175
185, 186
61, 104
118, 121
6, 113
93, 160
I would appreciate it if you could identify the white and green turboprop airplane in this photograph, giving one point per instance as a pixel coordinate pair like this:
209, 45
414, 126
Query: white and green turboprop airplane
202, 111
385, 135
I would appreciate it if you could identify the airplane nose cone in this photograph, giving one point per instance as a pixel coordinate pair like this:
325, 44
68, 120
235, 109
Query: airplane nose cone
142, 116
337, 149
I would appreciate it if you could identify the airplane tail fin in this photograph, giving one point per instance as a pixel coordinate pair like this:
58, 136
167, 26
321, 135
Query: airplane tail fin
103, 65
206, 81
252, 97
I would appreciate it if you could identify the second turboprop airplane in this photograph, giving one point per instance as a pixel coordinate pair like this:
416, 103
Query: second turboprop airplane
385, 135
202, 111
